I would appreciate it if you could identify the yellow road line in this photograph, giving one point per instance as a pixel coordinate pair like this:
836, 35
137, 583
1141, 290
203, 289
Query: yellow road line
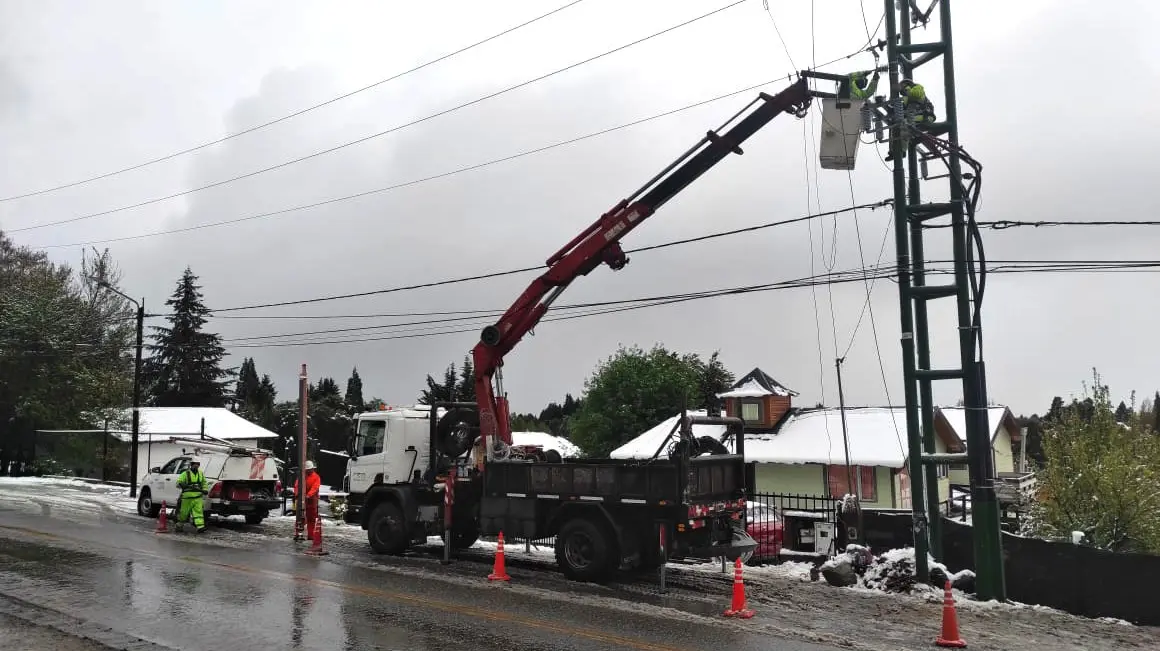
444, 606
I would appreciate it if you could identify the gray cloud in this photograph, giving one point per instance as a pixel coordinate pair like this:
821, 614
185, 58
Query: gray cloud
1053, 149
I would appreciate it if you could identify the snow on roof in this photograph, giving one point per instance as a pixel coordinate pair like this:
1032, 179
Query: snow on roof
877, 438
547, 441
645, 445
755, 384
957, 419
160, 423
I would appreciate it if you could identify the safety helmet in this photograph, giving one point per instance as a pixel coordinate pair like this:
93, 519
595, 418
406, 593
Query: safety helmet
194, 462
906, 83
309, 465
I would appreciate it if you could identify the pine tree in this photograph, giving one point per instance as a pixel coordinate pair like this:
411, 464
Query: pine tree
248, 385
1123, 414
184, 368
354, 394
465, 391
448, 390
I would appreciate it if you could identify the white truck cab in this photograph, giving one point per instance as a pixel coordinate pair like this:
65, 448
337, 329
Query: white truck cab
389, 447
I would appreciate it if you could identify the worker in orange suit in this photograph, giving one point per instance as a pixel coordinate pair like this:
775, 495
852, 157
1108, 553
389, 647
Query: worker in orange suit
313, 487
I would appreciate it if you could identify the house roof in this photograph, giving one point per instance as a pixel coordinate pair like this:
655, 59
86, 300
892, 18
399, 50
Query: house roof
547, 441
755, 384
877, 438
645, 445
160, 423
956, 419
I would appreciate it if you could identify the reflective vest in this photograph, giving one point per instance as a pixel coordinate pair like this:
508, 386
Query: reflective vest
192, 484
313, 485
916, 105
856, 80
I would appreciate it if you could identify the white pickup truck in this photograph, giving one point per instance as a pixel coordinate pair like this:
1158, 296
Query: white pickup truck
241, 480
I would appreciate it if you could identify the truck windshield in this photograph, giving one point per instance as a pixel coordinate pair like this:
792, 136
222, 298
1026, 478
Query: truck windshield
371, 432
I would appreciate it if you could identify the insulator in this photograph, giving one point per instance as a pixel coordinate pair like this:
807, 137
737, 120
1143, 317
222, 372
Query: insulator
922, 166
867, 118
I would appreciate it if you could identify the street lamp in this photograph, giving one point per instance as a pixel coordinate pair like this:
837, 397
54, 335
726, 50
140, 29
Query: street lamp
136, 383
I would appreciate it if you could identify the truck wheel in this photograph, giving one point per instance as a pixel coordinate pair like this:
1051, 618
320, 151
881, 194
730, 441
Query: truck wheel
255, 518
584, 550
386, 530
145, 505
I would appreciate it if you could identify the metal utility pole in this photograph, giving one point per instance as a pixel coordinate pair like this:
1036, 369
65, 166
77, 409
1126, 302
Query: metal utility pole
136, 384
911, 214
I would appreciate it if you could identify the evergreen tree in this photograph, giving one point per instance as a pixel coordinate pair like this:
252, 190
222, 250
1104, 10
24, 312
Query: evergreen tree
184, 369
448, 390
1156, 413
1123, 414
465, 390
248, 384
1055, 412
713, 378
354, 394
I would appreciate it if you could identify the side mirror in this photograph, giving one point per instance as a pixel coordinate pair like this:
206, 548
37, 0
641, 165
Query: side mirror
156, 470
352, 443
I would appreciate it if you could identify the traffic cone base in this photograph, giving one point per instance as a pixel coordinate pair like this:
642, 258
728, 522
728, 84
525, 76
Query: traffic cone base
737, 608
163, 520
316, 540
499, 570
950, 623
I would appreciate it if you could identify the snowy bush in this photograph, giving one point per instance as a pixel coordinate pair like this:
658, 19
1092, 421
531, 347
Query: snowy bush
892, 571
337, 507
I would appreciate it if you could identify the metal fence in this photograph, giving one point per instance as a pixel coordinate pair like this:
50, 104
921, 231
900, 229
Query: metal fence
783, 525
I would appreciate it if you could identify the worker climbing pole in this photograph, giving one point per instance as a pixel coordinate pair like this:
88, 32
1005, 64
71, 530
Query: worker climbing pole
916, 137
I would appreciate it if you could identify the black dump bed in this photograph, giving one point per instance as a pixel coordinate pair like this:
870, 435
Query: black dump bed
712, 478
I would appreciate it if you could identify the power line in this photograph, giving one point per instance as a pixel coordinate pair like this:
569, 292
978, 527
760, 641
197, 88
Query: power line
1003, 224
291, 115
397, 186
379, 134
510, 272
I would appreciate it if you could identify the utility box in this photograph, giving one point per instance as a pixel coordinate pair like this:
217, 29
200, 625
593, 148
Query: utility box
841, 130
823, 537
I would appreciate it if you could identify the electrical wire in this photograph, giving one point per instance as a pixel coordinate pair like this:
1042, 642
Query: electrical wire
511, 272
290, 115
380, 133
433, 177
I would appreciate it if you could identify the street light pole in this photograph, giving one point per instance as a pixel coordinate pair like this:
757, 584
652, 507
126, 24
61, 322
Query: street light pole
136, 382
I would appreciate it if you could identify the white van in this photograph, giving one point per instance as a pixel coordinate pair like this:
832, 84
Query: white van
241, 480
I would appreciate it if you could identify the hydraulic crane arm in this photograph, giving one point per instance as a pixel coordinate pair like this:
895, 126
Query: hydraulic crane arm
600, 243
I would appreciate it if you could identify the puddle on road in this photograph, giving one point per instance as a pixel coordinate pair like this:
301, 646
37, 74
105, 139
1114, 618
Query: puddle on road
187, 606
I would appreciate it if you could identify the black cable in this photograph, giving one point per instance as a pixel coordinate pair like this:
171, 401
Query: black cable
379, 134
510, 272
433, 177
291, 115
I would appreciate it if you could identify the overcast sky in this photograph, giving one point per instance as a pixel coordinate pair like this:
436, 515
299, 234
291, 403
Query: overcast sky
1056, 106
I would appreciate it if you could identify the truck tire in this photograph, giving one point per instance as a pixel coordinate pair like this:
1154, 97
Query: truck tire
387, 530
145, 505
585, 550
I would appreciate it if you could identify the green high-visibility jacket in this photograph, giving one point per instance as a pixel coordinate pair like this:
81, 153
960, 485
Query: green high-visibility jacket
192, 484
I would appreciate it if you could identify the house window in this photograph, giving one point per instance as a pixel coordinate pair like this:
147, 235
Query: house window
837, 482
751, 411
942, 470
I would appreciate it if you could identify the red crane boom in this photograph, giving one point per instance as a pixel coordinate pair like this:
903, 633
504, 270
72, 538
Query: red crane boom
600, 244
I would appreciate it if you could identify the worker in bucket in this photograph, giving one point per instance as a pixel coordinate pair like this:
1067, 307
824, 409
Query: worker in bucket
192, 485
862, 87
313, 487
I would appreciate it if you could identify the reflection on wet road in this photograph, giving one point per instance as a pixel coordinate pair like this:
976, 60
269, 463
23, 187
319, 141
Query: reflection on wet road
190, 595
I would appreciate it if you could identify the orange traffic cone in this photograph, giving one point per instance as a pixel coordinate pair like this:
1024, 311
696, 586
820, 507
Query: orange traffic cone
950, 623
163, 520
738, 609
316, 539
499, 572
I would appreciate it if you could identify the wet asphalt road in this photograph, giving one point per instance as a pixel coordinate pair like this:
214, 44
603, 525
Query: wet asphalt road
109, 576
